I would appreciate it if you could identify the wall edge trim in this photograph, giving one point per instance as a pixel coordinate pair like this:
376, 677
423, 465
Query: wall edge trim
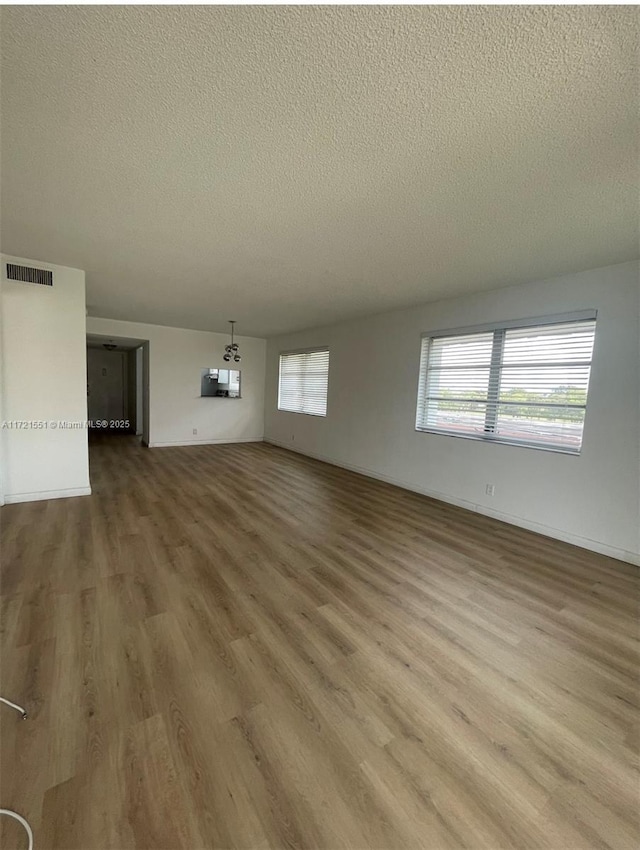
210, 442
42, 495
512, 519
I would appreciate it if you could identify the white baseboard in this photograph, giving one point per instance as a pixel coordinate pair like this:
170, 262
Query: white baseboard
221, 441
547, 530
41, 495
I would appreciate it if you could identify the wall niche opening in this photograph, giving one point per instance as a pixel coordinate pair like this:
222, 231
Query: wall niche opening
220, 383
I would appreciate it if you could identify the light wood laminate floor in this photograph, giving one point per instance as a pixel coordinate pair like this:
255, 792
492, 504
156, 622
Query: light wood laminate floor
239, 647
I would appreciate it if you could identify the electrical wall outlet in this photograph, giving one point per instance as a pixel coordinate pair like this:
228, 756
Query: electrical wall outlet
490, 490
293, 436
195, 430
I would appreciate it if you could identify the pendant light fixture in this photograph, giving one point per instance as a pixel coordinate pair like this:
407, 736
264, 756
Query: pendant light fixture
231, 351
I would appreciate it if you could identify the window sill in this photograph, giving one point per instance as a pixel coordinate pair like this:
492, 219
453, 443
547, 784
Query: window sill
502, 442
301, 412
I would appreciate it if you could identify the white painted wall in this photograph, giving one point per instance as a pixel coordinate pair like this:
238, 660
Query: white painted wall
139, 389
176, 357
43, 380
592, 500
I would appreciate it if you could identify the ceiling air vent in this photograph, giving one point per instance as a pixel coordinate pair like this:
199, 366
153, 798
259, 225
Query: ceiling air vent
29, 275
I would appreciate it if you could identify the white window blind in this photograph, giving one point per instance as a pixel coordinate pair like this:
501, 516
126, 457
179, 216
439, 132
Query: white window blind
304, 380
517, 383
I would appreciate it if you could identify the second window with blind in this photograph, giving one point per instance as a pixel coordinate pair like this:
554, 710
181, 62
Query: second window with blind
522, 382
304, 381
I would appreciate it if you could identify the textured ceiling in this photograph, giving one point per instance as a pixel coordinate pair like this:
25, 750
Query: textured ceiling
294, 166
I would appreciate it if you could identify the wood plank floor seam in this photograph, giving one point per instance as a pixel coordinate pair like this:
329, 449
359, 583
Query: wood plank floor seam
236, 646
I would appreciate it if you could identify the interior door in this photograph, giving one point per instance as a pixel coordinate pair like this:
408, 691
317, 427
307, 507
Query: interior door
106, 384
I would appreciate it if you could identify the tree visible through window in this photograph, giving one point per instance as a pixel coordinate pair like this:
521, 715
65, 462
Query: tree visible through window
519, 383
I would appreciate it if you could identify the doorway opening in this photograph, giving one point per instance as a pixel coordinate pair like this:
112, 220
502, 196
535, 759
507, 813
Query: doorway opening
118, 386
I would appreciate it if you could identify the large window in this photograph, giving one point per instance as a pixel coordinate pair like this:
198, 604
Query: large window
523, 383
304, 378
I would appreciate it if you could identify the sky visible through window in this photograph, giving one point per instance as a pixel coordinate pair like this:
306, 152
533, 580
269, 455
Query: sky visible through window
542, 382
